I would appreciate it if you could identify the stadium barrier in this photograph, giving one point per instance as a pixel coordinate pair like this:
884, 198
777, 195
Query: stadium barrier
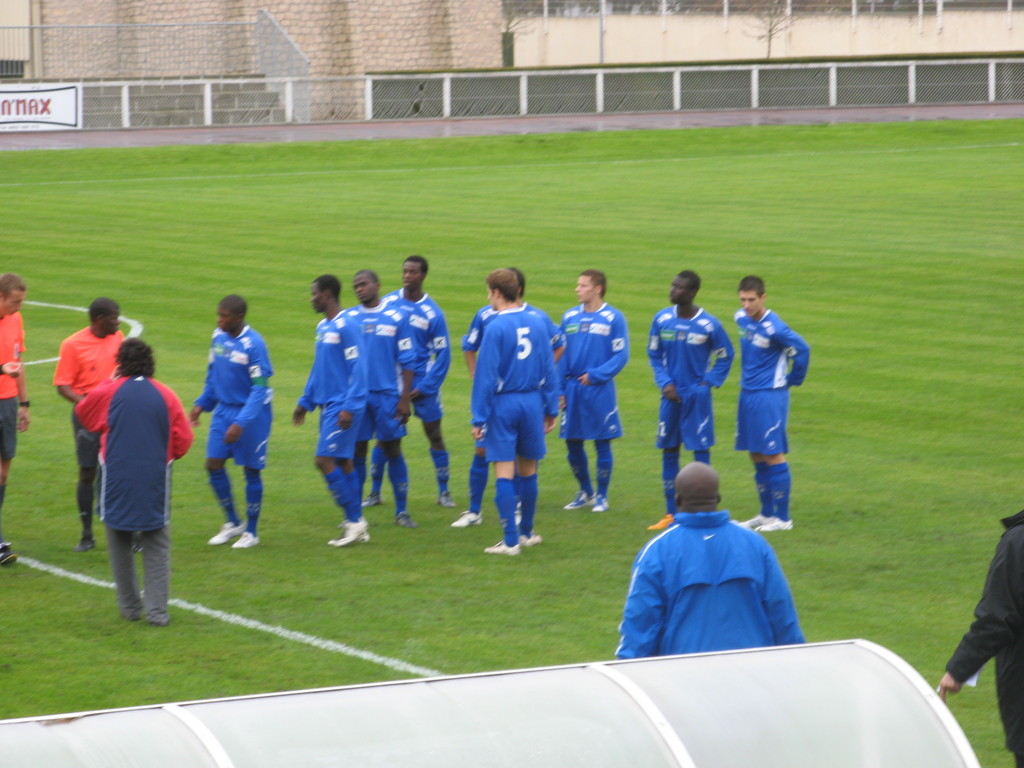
275, 100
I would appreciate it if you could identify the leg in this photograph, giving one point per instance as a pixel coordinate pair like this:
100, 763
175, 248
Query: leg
221, 484
156, 569
605, 464
378, 463
122, 564
578, 462
781, 482
360, 464
253, 498
439, 455
478, 472
526, 469
505, 501
398, 474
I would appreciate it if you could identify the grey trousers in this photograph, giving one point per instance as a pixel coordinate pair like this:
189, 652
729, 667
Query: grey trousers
156, 566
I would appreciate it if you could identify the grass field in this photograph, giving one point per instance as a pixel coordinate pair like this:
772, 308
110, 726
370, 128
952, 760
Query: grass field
894, 249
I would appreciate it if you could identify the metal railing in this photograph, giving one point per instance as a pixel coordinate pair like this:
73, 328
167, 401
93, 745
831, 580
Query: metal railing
275, 100
522, 9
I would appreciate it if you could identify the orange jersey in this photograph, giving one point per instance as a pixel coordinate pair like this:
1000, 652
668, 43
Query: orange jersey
12, 345
86, 360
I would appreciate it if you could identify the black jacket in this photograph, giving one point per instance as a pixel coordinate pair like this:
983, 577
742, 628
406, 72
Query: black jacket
998, 630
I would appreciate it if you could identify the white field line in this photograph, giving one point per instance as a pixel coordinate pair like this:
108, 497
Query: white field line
135, 328
516, 166
241, 621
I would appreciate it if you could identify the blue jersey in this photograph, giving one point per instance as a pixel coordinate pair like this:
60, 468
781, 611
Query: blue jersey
386, 344
471, 341
688, 351
430, 342
769, 346
338, 374
596, 343
238, 374
516, 357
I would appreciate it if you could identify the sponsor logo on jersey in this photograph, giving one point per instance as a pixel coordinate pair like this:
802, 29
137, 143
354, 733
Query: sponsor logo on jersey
572, 328
762, 342
417, 321
255, 372
601, 329
618, 345
218, 349
403, 343
369, 328
332, 337
696, 338
237, 356
386, 330
351, 353
440, 342
653, 343
472, 336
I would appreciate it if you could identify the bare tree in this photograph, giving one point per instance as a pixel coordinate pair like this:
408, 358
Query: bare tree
515, 19
772, 18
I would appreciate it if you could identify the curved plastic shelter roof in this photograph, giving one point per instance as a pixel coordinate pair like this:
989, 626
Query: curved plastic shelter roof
843, 705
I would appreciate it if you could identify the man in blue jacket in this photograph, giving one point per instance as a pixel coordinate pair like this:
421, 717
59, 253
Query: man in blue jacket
143, 429
705, 584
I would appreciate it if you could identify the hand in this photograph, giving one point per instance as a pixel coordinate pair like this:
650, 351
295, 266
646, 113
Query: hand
584, 379
403, 410
233, 435
23, 419
561, 402
194, 415
345, 419
299, 416
415, 394
478, 433
948, 685
670, 392
549, 423
11, 369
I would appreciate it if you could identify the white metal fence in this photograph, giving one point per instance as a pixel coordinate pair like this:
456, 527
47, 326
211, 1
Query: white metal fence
254, 101
521, 9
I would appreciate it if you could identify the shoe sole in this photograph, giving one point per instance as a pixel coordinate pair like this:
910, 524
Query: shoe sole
11, 559
362, 539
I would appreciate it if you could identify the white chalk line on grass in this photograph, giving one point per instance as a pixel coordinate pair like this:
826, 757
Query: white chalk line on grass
241, 621
135, 328
513, 166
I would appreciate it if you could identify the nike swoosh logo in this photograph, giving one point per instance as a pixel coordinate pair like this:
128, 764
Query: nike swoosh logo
709, 537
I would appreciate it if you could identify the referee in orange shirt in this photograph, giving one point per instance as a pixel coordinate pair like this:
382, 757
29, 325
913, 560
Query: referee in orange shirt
87, 358
13, 397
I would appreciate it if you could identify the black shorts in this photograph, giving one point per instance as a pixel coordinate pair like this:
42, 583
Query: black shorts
87, 444
8, 427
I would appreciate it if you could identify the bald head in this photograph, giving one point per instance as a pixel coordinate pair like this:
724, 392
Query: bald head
697, 488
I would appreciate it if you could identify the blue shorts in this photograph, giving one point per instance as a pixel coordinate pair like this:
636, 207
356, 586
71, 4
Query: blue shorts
427, 408
335, 442
251, 448
690, 423
379, 419
591, 412
761, 421
516, 427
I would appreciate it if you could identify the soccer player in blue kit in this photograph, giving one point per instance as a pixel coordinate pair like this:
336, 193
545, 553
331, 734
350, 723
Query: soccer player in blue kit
337, 386
775, 358
596, 349
689, 352
388, 347
479, 468
429, 331
237, 391
514, 404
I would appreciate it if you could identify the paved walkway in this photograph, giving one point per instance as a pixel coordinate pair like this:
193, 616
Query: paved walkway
496, 126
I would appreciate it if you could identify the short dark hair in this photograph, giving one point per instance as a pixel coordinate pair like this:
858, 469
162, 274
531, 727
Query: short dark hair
521, 279
691, 277
135, 358
369, 273
596, 278
10, 282
103, 307
505, 282
234, 304
330, 284
416, 259
752, 283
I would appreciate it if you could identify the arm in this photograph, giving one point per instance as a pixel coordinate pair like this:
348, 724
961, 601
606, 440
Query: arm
180, 439
259, 384
722, 353
207, 399
611, 367
799, 353
486, 378
778, 603
644, 614
91, 410
656, 357
442, 352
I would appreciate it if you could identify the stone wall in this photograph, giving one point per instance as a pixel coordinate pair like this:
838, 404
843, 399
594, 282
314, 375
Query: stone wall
341, 37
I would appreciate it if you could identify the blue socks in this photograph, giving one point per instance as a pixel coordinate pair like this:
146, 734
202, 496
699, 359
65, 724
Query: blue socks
780, 483
398, 474
704, 457
340, 486
377, 461
669, 470
505, 500
604, 465
440, 459
221, 484
578, 464
762, 479
528, 497
477, 482
253, 498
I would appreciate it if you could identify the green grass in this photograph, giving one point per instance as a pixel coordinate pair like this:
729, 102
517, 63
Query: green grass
894, 249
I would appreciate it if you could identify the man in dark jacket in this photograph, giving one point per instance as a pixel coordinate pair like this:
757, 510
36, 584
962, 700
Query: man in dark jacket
998, 630
143, 430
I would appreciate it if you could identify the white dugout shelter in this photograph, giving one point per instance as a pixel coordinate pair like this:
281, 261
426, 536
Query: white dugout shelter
847, 704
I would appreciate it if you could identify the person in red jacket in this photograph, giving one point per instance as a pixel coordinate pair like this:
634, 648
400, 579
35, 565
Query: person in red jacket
143, 430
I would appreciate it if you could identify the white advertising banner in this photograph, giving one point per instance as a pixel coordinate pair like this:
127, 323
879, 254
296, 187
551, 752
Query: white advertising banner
41, 107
